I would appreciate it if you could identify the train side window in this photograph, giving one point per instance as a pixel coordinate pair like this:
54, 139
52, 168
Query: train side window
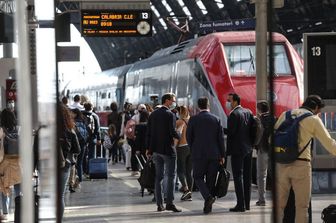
103, 95
241, 60
281, 63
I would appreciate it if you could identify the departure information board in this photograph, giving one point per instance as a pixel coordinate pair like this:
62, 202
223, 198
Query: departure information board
320, 66
116, 23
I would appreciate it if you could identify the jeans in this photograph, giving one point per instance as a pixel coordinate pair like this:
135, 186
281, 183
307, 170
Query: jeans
65, 171
184, 166
79, 164
164, 163
6, 199
91, 150
262, 164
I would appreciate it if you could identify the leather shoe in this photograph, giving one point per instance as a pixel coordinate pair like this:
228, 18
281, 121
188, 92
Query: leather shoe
208, 205
161, 208
237, 209
172, 207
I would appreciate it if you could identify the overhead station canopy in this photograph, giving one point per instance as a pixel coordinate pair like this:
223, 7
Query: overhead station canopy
293, 19
112, 4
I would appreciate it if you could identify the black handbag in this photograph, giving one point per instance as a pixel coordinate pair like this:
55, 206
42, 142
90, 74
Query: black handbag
328, 214
147, 176
11, 142
222, 182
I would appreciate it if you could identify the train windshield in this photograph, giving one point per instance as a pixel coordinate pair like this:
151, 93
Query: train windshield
241, 60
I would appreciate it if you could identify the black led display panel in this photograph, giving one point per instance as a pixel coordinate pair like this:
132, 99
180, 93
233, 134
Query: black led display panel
116, 23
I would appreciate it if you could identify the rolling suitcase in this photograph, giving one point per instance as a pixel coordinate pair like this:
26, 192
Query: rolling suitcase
98, 166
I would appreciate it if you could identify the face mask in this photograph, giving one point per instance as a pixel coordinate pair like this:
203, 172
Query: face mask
173, 105
228, 105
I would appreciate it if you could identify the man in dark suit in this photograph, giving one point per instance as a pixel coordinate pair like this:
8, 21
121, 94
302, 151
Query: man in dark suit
206, 139
160, 140
240, 148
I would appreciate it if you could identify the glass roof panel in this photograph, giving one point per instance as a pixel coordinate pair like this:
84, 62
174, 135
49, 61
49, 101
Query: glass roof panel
202, 7
219, 3
156, 12
163, 23
164, 2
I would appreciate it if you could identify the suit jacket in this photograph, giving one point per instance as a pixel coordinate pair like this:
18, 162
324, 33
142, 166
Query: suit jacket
205, 136
238, 132
161, 131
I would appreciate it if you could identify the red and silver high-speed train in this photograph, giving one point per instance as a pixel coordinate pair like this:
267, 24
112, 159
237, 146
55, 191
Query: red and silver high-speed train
213, 65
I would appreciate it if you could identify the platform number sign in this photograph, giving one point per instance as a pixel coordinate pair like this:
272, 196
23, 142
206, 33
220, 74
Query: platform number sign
320, 65
116, 23
145, 15
316, 51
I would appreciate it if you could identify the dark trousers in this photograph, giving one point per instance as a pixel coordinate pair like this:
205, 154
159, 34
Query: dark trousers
242, 174
207, 168
184, 166
134, 161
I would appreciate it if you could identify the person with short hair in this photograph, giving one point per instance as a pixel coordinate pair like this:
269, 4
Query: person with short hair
76, 103
239, 147
263, 149
206, 139
298, 173
161, 131
65, 101
95, 137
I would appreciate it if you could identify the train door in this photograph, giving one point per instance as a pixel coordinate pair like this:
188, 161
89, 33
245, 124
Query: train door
173, 78
184, 70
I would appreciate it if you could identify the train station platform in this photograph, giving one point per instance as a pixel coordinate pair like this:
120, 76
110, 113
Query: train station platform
118, 199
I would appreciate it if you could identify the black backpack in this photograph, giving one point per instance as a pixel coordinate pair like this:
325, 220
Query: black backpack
256, 130
286, 146
328, 214
267, 122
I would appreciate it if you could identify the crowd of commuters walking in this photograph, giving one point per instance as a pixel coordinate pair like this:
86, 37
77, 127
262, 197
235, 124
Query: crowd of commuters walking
190, 149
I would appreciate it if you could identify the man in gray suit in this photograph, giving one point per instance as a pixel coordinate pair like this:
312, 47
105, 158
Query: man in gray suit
206, 139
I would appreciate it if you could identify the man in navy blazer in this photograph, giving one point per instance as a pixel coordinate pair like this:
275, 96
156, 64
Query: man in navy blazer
160, 140
206, 139
240, 148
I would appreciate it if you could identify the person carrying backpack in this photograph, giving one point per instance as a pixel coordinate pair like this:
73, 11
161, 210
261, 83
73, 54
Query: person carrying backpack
82, 133
94, 134
297, 174
263, 149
